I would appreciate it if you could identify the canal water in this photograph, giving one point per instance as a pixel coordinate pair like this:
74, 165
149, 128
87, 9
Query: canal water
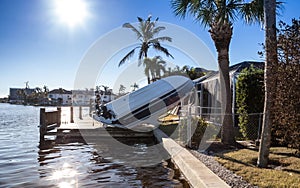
25, 162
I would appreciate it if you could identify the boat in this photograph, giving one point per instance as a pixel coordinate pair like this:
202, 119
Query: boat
145, 105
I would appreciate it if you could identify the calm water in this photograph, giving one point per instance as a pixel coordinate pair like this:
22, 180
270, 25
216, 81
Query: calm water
24, 162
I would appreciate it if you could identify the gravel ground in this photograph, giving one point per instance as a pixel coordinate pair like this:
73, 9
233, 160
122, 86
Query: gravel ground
228, 176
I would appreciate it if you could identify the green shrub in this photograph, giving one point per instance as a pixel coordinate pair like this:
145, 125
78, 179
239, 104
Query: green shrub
179, 132
250, 100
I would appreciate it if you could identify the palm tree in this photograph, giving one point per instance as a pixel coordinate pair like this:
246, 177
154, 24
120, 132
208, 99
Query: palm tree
122, 89
219, 16
38, 90
45, 90
270, 80
153, 67
135, 86
160, 66
149, 69
146, 33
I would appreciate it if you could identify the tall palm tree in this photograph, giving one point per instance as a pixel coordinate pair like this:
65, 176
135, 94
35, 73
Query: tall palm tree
45, 91
270, 80
160, 66
219, 16
149, 68
147, 32
153, 68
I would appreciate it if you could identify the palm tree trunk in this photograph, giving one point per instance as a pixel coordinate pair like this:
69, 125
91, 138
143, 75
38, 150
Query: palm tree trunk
270, 80
227, 134
221, 35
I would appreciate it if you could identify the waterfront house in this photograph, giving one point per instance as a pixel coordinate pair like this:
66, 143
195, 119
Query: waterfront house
107, 96
83, 97
19, 95
208, 89
60, 97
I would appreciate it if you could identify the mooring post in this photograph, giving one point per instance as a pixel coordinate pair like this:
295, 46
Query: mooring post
71, 115
91, 106
43, 125
80, 112
189, 127
58, 115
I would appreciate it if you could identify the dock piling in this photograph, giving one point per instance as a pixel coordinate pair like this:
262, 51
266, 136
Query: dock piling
49, 121
43, 127
71, 114
80, 112
58, 115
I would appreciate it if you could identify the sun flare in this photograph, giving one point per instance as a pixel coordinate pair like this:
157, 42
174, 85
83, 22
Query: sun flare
71, 12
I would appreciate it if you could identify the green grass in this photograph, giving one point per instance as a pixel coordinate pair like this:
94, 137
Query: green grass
284, 168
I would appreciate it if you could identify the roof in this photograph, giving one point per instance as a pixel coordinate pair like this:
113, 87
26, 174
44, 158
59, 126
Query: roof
232, 69
60, 91
245, 64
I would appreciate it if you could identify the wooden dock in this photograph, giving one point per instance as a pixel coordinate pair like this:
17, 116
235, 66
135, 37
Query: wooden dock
55, 123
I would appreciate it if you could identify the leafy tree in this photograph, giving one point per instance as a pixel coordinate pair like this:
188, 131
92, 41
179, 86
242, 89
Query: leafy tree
175, 71
250, 99
192, 73
147, 32
286, 123
219, 16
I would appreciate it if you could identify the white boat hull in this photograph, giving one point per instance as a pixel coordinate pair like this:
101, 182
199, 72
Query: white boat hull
146, 104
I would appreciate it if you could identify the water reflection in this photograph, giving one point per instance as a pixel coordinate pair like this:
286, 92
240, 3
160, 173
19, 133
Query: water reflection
27, 162
65, 177
82, 165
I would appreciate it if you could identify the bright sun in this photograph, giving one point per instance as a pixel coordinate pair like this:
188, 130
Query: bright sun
71, 12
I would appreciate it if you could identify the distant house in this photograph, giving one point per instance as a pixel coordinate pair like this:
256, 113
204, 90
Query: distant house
60, 97
107, 96
83, 97
18, 95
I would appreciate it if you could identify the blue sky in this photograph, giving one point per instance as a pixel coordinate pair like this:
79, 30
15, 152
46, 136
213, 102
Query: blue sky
36, 46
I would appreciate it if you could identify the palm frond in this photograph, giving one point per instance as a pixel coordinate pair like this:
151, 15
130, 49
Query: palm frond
135, 30
140, 19
149, 18
279, 7
232, 9
252, 12
203, 11
180, 7
157, 57
141, 54
161, 62
205, 17
158, 29
129, 55
158, 47
159, 39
